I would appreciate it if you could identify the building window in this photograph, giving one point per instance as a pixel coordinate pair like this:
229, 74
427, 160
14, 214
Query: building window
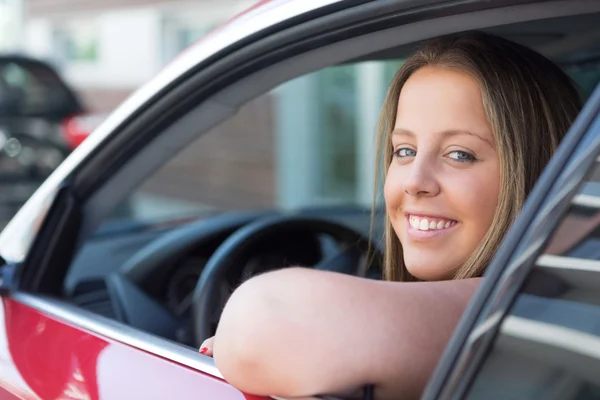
179, 32
76, 41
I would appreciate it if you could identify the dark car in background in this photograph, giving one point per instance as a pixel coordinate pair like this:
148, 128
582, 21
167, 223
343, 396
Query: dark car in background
37, 110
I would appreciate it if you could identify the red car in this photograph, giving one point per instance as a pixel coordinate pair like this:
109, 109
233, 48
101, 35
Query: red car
252, 151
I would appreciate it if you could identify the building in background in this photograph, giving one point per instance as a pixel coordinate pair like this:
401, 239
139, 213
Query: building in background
106, 49
308, 142
11, 25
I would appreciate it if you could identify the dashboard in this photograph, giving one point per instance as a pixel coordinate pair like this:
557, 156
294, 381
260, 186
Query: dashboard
148, 273
276, 253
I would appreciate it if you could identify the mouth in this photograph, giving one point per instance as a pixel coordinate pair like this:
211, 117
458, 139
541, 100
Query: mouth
422, 226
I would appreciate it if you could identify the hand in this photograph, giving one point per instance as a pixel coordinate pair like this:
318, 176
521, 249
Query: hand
207, 347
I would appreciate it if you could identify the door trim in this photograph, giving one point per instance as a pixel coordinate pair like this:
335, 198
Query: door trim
114, 330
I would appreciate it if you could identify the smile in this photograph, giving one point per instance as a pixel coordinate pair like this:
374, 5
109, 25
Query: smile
429, 223
421, 227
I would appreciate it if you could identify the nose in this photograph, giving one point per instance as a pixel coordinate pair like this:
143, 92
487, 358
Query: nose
421, 179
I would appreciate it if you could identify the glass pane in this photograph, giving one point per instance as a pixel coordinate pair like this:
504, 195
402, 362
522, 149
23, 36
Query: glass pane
549, 345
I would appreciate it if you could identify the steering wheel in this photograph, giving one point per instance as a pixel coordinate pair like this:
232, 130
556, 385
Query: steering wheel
238, 247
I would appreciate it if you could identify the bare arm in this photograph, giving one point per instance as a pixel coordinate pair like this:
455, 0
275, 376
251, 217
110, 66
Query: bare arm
300, 332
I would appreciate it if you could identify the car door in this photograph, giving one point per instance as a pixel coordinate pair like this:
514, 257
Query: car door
41, 357
532, 331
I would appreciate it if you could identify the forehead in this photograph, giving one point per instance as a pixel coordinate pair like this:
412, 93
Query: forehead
436, 99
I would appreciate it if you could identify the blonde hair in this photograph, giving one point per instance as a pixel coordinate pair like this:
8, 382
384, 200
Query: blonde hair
530, 104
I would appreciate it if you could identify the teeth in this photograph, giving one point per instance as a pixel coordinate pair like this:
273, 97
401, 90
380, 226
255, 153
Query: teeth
414, 222
424, 224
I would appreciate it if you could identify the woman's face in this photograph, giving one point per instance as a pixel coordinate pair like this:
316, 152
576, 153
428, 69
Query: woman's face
443, 183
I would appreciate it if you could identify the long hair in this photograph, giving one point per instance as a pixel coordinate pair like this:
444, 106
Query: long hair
530, 104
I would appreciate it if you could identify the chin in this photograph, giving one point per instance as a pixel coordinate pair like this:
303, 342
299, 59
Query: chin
425, 272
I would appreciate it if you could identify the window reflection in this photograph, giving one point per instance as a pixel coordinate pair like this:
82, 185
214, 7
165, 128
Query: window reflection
549, 345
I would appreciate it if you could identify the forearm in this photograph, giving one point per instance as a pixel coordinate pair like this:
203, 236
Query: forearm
273, 336
300, 332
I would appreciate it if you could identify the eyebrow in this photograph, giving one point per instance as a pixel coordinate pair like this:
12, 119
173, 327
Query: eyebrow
451, 132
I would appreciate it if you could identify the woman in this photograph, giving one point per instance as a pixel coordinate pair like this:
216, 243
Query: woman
469, 122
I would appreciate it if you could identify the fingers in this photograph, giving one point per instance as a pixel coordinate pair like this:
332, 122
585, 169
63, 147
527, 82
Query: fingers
207, 347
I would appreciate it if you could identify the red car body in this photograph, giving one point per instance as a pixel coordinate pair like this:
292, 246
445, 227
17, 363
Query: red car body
43, 358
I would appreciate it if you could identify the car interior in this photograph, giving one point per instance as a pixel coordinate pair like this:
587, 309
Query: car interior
143, 269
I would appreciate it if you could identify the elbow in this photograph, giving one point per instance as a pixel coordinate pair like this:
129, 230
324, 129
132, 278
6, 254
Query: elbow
241, 347
264, 345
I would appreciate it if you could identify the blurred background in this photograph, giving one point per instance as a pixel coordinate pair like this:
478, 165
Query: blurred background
66, 64
309, 143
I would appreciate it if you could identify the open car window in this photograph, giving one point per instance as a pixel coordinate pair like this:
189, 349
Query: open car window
306, 146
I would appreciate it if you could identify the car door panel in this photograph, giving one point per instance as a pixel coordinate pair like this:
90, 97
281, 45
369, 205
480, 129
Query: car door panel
49, 359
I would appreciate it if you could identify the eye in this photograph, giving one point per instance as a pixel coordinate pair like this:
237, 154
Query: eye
405, 152
462, 156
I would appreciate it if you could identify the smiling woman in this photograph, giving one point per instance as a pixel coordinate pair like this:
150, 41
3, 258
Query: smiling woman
507, 108
442, 185
468, 124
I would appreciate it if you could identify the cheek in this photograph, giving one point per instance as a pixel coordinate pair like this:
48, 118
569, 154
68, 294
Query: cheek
476, 199
392, 189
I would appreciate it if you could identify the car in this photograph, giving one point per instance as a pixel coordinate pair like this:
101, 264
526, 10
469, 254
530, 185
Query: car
253, 151
37, 113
